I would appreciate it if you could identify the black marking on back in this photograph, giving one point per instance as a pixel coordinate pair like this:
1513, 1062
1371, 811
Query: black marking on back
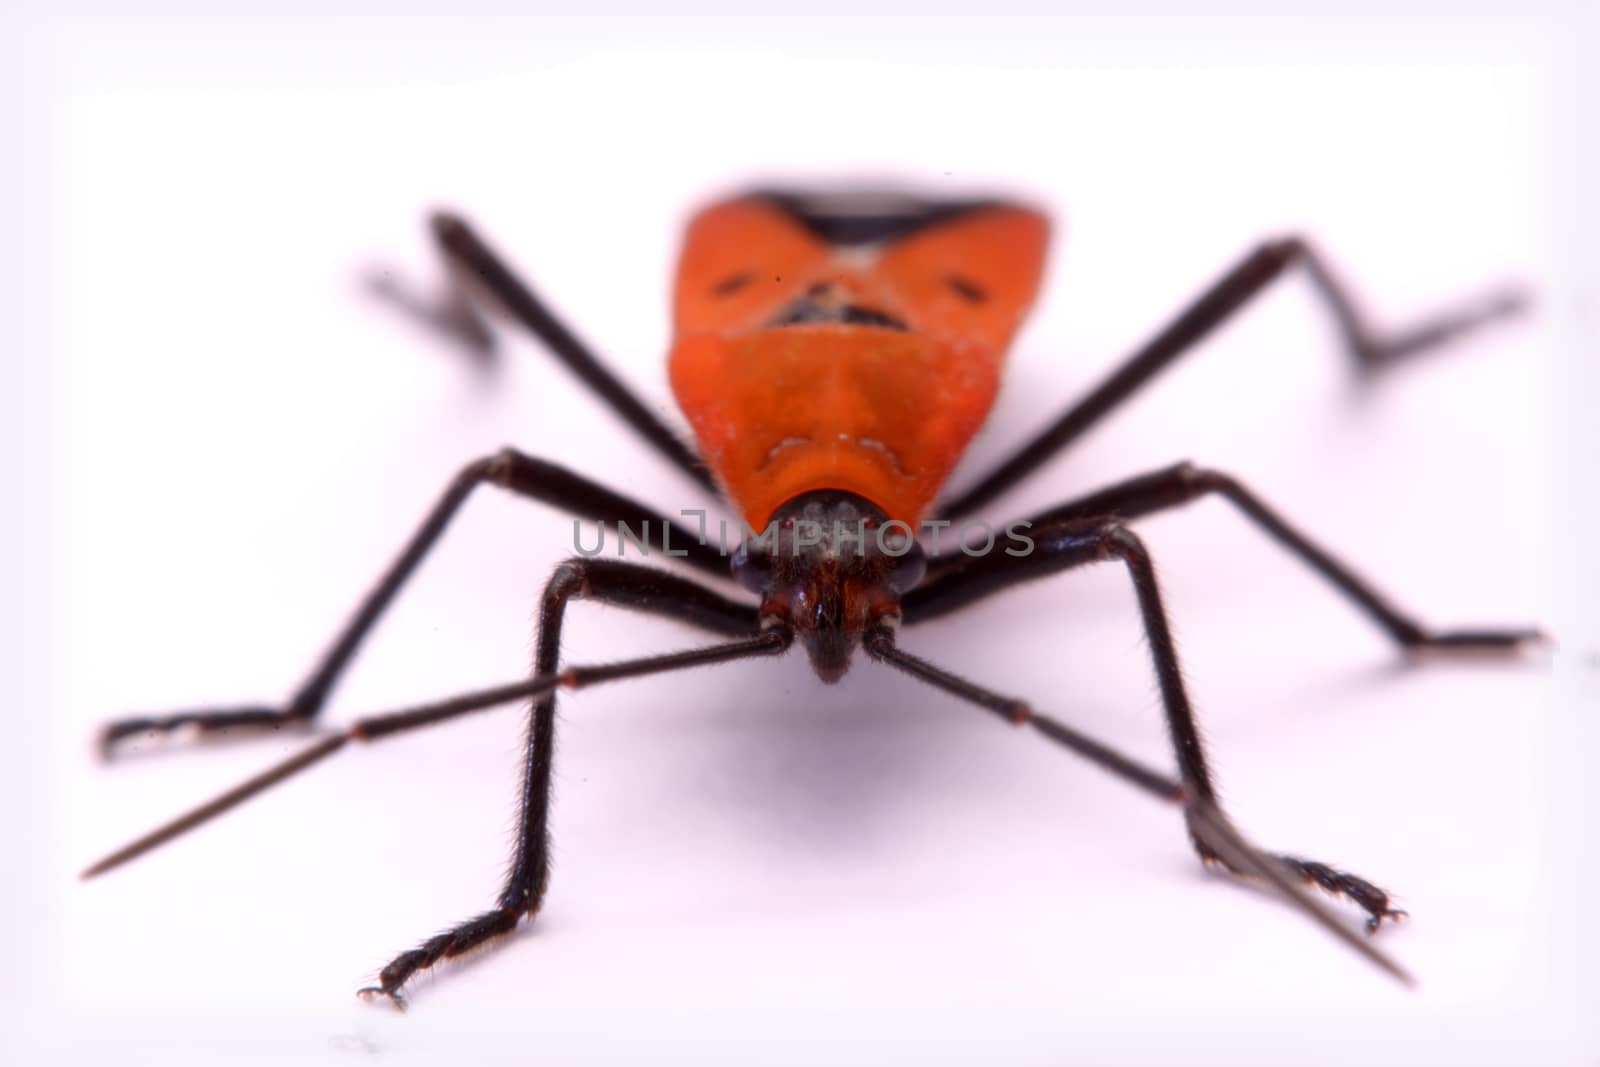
868, 216
804, 311
966, 288
732, 284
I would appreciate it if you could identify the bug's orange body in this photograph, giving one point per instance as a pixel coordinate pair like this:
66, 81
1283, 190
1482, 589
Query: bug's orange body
857, 351
835, 355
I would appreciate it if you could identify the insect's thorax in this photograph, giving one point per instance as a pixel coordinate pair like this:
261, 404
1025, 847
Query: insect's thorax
807, 360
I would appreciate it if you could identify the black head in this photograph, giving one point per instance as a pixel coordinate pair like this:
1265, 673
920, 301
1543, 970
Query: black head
830, 565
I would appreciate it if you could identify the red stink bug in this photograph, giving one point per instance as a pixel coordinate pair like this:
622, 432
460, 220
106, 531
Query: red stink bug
834, 354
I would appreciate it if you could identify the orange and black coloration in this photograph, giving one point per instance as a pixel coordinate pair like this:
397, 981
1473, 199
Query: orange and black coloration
834, 355
863, 360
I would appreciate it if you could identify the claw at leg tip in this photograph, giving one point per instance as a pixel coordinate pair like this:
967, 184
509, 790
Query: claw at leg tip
1395, 915
371, 992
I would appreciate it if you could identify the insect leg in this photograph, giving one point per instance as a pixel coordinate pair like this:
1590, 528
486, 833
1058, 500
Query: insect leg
451, 312
530, 866
479, 276
1074, 544
389, 724
1370, 348
1181, 484
521, 474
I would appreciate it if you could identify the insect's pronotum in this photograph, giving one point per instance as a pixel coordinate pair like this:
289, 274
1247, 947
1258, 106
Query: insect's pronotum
834, 354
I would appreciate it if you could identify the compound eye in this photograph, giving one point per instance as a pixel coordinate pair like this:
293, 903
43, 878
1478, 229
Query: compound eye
751, 569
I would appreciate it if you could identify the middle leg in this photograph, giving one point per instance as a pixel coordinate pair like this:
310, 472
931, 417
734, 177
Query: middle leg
522, 475
945, 589
612, 582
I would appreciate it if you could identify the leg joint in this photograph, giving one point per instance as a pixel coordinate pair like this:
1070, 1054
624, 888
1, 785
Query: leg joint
496, 468
500, 467
1198, 481
1286, 248
570, 581
1119, 542
875, 642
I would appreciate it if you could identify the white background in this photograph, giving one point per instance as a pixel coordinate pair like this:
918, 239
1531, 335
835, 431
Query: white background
237, 440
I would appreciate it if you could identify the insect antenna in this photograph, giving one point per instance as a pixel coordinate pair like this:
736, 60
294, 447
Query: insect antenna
1216, 837
374, 727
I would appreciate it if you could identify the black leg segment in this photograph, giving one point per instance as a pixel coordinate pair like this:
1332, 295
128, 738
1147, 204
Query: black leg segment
1067, 544
956, 580
478, 274
389, 724
616, 583
1237, 288
521, 474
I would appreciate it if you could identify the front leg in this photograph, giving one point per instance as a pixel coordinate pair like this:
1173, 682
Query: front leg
611, 582
1073, 543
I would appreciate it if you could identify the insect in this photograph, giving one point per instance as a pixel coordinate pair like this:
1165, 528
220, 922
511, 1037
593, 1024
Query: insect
834, 354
